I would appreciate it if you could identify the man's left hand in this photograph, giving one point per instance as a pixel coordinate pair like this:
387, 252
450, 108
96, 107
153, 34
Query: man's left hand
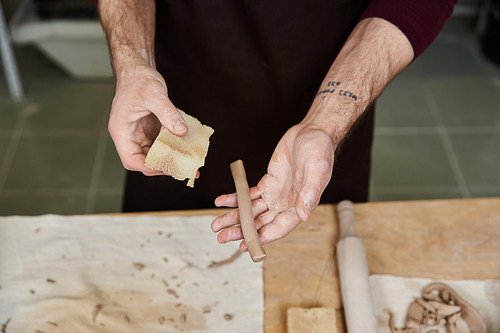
298, 173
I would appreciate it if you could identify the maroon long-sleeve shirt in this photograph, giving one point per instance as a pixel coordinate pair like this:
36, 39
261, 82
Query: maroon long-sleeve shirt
419, 20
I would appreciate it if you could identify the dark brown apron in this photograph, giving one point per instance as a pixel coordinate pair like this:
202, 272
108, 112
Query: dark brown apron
250, 69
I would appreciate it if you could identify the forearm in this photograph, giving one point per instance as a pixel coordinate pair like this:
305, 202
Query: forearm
130, 30
375, 52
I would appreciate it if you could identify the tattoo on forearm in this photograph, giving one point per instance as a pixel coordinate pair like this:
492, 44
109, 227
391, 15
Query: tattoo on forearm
333, 90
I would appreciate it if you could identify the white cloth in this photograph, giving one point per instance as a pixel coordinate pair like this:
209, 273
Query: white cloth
107, 274
396, 293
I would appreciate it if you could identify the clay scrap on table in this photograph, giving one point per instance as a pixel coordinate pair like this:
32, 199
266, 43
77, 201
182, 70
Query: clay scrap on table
440, 306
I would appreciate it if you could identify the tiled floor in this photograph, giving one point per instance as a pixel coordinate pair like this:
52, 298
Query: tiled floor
437, 133
438, 124
55, 152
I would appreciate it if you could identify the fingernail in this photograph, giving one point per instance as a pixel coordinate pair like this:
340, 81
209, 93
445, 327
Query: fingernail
308, 209
219, 240
180, 127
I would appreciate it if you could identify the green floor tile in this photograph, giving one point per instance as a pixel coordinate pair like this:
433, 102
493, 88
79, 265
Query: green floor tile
53, 162
8, 115
479, 158
32, 64
412, 72
403, 104
42, 204
70, 104
372, 195
9, 109
113, 172
105, 204
484, 193
467, 102
4, 144
445, 58
410, 160
417, 194
462, 25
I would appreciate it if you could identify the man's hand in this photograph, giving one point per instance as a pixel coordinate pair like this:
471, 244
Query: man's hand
140, 107
297, 175
302, 164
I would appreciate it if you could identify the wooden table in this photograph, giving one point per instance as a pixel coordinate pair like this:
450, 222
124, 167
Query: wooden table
439, 239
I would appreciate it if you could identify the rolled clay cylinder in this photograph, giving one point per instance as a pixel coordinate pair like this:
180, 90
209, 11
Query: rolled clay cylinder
354, 277
247, 221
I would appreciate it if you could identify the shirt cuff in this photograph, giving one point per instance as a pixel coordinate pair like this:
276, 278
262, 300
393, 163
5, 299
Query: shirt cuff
420, 20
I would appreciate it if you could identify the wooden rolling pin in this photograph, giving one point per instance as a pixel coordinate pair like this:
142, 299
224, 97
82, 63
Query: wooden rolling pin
353, 269
247, 221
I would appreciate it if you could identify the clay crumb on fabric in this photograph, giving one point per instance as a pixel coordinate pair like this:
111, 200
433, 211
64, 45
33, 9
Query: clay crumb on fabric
4, 326
138, 266
225, 262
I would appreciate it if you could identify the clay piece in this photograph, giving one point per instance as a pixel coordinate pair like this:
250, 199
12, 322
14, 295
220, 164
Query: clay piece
4, 326
450, 296
225, 262
314, 320
138, 266
247, 222
439, 306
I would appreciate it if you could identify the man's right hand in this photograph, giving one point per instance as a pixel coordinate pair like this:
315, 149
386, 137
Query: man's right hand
140, 108
141, 105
